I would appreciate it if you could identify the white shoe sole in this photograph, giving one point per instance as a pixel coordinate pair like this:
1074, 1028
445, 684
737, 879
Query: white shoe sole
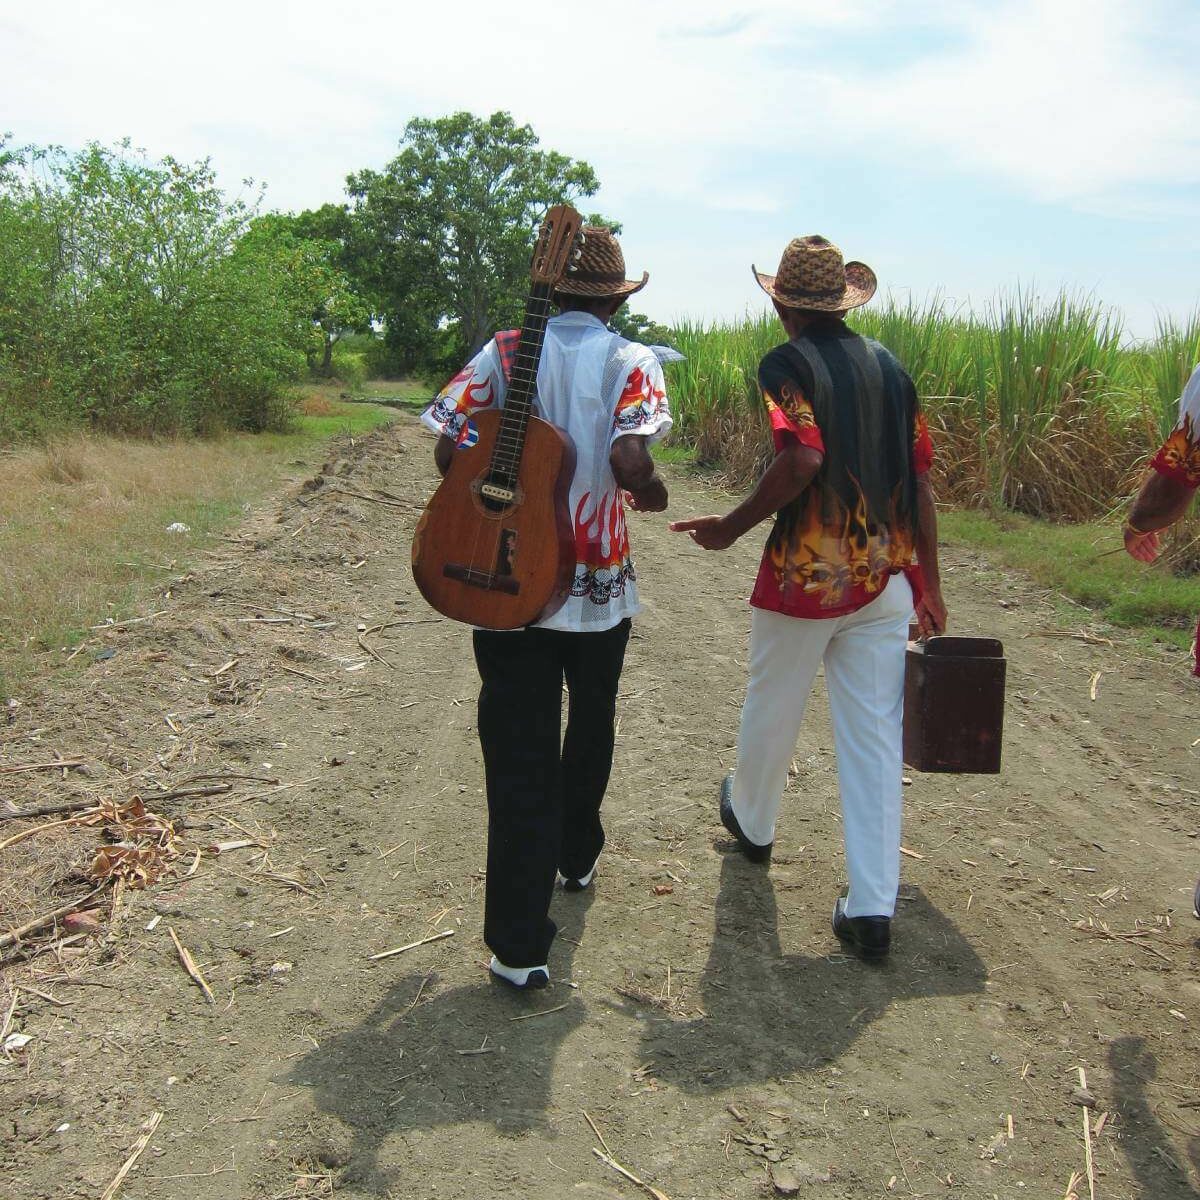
520, 977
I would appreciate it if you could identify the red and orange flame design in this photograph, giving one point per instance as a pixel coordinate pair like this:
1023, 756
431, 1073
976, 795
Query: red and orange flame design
795, 406
639, 389
601, 536
830, 559
1179, 455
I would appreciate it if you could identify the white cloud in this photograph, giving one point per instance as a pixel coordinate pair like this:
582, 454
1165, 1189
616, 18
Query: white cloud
1073, 101
1070, 101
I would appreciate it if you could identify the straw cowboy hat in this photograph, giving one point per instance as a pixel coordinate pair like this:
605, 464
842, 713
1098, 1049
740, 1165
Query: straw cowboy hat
812, 275
600, 271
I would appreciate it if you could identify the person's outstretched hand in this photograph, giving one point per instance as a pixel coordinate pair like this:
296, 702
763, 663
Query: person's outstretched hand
1142, 546
710, 532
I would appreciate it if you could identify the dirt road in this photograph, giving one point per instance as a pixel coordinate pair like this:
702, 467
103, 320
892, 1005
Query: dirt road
700, 1013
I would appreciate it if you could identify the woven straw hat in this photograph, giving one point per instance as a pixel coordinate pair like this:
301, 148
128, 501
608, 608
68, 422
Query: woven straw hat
601, 269
812, 275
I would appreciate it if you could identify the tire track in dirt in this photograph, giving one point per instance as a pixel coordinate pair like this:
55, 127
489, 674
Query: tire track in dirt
415, 1077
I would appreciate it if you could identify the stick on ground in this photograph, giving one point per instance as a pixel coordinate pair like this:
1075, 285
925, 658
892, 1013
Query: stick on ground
648, 1188
542, 1012
433, 937
1087, 1140
597, 1132
62, 763
189, 965
127, 1166
46, 810
15, 935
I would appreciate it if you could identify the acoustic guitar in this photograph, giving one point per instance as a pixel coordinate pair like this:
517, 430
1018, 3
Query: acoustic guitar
495, 546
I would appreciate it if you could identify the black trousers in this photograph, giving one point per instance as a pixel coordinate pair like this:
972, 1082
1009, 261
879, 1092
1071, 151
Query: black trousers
543, 789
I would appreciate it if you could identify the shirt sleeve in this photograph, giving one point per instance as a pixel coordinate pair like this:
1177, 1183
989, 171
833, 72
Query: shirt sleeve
922, 453
1179, 456
642, 406
480, 385
788, 409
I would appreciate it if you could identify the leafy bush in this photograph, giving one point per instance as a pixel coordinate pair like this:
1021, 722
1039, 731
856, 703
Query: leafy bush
349, 365
135, 297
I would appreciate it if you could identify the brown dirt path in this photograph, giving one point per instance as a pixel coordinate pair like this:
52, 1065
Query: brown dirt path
714, 1033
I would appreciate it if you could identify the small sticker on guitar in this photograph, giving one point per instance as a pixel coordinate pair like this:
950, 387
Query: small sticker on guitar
467, 436
506, 557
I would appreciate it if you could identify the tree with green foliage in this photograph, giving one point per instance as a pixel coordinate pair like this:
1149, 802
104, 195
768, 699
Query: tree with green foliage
638, 327
135, 295
444, 233
319, 237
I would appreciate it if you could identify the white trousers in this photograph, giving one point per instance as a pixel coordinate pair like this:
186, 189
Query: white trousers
864, 673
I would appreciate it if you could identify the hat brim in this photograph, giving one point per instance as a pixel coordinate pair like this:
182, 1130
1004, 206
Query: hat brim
860, 287
580, 287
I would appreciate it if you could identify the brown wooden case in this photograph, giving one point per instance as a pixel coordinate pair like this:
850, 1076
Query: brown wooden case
954, 705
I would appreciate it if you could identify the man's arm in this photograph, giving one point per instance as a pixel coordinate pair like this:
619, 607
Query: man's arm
1161, 501
791, 471
634, 470
931, 611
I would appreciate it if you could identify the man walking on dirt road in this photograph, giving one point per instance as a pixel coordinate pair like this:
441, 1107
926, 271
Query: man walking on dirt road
849, 490
1166, 495
544, 794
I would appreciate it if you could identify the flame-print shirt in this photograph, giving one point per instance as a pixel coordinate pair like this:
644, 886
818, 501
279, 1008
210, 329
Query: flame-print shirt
834, 547
598, 387
1179, 456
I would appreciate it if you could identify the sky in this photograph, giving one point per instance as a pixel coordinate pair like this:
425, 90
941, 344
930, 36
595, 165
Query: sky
962, 149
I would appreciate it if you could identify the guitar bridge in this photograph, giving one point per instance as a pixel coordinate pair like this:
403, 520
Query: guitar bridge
488, 581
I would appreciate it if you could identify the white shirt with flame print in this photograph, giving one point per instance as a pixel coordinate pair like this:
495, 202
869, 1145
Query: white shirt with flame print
598, 387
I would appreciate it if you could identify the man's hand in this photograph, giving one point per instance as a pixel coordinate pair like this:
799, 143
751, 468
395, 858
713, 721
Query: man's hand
651, 498
1142, 546
713, 533
931, 613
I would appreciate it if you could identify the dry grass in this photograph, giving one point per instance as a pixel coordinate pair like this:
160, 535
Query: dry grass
313, 404
83, 522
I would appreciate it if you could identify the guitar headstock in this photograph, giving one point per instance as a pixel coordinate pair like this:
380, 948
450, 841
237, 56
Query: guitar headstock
559, 240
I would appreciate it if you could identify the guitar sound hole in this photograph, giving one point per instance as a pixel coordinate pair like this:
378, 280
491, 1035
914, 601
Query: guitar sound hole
496, 494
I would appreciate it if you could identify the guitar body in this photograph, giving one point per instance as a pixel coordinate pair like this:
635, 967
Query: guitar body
496, 563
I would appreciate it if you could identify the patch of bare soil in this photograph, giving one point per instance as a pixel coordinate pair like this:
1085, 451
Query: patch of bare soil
703, 1029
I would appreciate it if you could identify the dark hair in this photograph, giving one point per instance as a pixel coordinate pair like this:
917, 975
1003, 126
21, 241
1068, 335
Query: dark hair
598, 306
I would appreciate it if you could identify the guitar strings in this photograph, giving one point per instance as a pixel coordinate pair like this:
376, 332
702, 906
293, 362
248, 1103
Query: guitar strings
537, 316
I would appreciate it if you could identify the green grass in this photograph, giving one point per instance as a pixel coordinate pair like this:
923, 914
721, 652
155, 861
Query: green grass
409, 394
674, 453
1038, 404
1073, 560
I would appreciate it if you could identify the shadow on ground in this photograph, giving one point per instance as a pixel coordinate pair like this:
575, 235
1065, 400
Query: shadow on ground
769, 1014
1150, 1151
425, 1058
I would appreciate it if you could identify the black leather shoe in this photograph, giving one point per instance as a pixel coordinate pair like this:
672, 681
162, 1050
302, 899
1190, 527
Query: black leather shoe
870, 937
753, 851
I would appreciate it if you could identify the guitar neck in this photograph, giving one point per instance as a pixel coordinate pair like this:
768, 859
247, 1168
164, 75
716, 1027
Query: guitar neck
522, 386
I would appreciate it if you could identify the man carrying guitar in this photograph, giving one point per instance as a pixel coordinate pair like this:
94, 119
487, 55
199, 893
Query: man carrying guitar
544, 794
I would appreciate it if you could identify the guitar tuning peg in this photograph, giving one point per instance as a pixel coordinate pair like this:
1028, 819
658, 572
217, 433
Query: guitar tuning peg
582, 238
576, 255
